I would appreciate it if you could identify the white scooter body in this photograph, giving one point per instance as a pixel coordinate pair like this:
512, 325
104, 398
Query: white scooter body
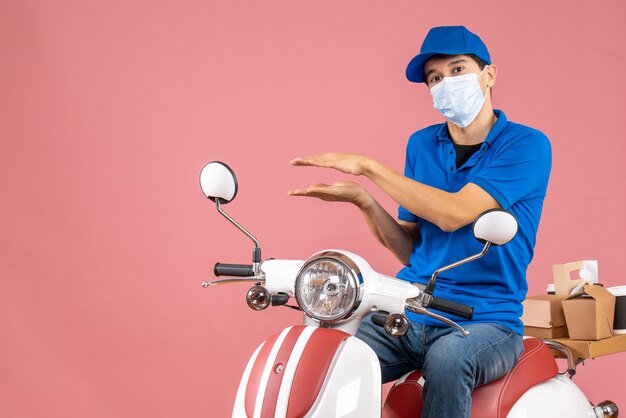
352, 384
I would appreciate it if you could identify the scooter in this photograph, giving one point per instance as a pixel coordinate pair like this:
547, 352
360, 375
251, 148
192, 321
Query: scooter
321, 370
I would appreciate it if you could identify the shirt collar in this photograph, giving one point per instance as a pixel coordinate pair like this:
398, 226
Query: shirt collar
443, 134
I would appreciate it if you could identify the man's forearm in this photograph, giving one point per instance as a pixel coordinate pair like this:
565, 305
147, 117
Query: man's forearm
387, 230
449, 211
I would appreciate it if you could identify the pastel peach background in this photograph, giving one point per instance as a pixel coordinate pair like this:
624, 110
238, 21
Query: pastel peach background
109, 109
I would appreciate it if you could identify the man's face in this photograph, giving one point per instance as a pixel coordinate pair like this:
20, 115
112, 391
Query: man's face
449, 66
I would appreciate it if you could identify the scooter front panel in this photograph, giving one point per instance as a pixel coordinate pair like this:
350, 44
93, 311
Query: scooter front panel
239, 410
313, 369
260, 373
352, 388
277, 372
286, 373
290, 371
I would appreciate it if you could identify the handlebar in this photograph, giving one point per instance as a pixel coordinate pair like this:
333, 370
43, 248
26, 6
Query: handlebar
238, 270
453, 308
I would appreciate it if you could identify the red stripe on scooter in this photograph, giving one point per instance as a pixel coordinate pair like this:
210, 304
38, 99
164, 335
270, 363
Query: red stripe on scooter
276, 377
254, 381
312, 369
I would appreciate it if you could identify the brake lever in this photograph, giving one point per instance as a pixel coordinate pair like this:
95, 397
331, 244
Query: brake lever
416, 307
232, 280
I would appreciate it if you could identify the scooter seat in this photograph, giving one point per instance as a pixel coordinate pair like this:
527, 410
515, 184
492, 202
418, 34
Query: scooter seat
493, 400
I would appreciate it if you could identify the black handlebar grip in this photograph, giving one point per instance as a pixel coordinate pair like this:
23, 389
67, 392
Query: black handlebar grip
453, 308
238, 270
280, 299
380, 317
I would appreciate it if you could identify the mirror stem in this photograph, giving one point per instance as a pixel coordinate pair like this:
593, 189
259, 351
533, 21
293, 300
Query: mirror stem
430, 287
256, 253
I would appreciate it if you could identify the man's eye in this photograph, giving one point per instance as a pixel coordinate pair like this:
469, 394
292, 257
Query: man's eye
435, 79
458, 69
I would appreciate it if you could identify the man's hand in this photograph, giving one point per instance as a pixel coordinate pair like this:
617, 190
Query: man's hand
342, 191
346, 163
397, 237
449, 211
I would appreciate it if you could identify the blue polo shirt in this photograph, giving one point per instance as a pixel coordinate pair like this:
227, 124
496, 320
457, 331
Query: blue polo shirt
513, 166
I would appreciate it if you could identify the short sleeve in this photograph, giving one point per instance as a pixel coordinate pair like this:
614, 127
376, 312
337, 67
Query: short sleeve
409, 171
519, 170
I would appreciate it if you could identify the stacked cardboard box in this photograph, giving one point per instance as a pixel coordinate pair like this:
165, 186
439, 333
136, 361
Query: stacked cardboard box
580, 309
580, 315
543, 316
589, 313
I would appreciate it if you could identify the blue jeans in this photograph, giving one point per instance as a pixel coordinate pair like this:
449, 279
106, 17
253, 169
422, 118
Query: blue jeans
452, 364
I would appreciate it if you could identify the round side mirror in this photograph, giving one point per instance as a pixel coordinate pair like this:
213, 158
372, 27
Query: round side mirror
218, 181
496, 226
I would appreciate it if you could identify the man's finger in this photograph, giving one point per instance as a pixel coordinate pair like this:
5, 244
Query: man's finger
318, 186
313, 160
298, 161
298, 192
309, 190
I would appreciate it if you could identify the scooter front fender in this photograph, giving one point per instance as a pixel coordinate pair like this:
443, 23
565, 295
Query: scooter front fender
310, 372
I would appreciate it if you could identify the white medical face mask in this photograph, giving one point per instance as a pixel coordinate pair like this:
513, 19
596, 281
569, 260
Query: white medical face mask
459, 98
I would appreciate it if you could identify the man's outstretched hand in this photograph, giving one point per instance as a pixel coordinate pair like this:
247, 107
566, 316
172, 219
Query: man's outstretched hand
342, 191
346, 163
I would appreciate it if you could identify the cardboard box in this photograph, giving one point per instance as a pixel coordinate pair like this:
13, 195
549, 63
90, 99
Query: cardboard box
538, 332
589, 313
592, 349
543, 316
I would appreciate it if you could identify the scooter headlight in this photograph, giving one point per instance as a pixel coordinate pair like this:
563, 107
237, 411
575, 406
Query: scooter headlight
328, 287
